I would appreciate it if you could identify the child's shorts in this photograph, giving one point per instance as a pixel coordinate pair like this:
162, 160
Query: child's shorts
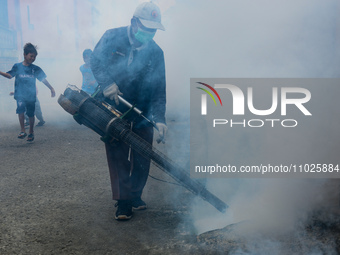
26, 106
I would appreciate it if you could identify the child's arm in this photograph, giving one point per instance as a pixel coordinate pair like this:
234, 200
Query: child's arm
49, 86
7, 75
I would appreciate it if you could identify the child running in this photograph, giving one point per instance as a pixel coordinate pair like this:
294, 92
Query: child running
25, 74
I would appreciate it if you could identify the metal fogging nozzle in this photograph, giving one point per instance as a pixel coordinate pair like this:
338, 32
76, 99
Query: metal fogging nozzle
135, 109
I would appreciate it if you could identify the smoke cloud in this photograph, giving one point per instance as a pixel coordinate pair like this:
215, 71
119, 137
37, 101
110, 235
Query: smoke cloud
210, 39
250, 39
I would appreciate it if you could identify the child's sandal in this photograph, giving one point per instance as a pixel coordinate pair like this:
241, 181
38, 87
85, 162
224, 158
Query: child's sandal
22, 135
30, 138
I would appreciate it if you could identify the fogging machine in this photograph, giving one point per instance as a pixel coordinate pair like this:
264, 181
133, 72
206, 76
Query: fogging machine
110, 124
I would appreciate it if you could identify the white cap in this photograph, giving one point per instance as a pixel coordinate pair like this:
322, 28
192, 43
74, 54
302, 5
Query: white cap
149, 15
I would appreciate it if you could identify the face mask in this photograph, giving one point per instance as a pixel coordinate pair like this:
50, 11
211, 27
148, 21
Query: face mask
144, 36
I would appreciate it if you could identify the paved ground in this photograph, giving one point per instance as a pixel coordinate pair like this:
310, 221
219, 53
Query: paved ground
56, 199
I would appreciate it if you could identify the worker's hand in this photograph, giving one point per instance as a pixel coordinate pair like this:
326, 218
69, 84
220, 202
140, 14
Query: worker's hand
112, 92
162, 129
